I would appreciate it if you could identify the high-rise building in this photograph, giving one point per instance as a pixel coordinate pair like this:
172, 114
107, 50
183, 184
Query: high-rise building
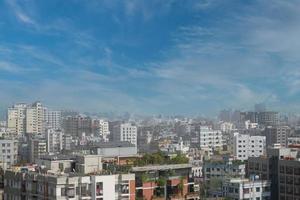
52, 119
245, 146
16, 118
36, 148
125, 132
54, 139
101, 128
77, 125
35, 118
277, 135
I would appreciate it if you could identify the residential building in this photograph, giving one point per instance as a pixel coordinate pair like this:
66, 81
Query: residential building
267, 167
125, 132
36, 148
277, 135
8, 153
54, 139
165, 182
210, 139
77, 125
16, 118
245, 146
36, 185
35, 118
52, 119
101, 128
240, 189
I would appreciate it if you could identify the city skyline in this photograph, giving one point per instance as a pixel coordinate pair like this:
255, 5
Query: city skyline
150, 57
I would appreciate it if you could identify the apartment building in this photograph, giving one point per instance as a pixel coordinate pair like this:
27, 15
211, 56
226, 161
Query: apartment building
165, 182
52, 119
34, 185
240, 189
125, 132
210, 139
101, 128
55, 140
8, 153
267, 167
245, 146
289, 178
16, 118
35, 118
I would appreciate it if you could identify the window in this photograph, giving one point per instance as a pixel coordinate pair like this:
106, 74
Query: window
257, 189
99, 189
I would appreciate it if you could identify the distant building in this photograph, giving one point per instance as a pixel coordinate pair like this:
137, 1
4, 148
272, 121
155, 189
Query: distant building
52, 119
268, 118
245, 146
125, 132
36, 148
54, 139
77, 125
35, 118
101, 128
16, 118
277, 135
210, 139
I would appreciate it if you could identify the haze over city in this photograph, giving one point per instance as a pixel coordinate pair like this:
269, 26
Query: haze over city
150, 100
150, 57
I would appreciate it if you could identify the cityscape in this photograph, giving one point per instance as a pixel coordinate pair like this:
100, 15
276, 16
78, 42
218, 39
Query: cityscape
149, 100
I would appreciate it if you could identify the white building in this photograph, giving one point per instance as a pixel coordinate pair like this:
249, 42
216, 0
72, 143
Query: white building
8, 153
125, 132
245, 146
102, 128
55, 140
247, 189
16, 118
35, 118
52, 119
226, 127
64, 186
210, 139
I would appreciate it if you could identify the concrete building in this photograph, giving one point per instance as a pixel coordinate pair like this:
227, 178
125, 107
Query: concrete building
245, 146
125, 132
16, 118
268, 118
35, 118
54, 139
210, 139
114, 149
77, 125
240, 189
267, 167
277, 135
52, 119
289, 179
34, 185
101, 128
8, 153
165, 182
36, 148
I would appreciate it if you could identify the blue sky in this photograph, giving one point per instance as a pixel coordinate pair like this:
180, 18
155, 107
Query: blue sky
158, 56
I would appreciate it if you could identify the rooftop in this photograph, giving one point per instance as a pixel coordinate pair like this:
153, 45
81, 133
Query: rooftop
160, 167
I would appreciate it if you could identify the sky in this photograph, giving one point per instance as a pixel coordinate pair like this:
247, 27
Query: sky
149, 57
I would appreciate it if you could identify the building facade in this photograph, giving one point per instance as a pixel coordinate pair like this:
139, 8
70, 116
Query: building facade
245, 146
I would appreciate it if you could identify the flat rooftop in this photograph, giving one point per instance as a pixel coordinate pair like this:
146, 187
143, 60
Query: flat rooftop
160, 167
